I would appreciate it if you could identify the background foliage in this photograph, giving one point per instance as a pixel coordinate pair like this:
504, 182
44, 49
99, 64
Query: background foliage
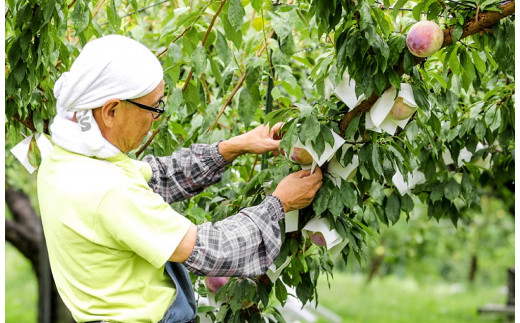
231, 65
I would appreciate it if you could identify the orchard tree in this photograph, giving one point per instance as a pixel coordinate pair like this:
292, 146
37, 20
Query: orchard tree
394, 117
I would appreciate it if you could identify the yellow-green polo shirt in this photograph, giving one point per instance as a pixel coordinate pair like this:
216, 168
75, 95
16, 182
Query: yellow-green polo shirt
108, 236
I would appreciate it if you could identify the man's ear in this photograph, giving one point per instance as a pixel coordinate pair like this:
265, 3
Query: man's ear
108, 112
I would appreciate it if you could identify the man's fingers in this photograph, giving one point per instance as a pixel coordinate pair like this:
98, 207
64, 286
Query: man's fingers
303, 173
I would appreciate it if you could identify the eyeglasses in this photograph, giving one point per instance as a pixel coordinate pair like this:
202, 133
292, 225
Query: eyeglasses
158, 111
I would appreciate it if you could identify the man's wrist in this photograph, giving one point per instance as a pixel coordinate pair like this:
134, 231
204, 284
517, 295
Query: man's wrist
232, 148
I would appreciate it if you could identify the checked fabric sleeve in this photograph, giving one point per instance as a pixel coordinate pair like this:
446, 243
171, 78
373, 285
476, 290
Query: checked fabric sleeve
244, 245
186, 172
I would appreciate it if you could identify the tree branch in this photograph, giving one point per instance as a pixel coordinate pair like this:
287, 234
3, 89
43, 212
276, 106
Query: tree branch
25, 233
29, 124
23, 241
23, 213
479, 23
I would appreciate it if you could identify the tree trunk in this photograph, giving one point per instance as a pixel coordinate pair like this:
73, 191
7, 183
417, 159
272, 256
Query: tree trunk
473, 268
25, 233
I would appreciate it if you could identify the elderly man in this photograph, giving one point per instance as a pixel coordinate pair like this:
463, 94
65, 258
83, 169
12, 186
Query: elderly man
118, 251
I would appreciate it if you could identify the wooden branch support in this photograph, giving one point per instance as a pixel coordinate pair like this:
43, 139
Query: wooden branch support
479, 23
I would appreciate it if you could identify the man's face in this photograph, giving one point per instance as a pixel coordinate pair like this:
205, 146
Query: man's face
132, 123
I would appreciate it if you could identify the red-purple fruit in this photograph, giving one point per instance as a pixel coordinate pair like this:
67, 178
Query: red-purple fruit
317, 238
425, 38
400, 110
215, 283
301, 156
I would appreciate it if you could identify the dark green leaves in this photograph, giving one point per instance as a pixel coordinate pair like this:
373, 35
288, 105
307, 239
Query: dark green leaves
393, 207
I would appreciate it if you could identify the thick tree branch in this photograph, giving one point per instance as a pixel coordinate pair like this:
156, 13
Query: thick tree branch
25, 232
479, 23
23, 213
23, 240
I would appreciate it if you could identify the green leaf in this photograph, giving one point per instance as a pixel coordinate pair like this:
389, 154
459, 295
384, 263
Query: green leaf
247, 106
457, 32
384, 25
326, 135
304, 290
352, 127
366, 22
477, 60
234, 35
280, 291
375, 160
199, 60
376, 191
468, 189
236, 14
454, 63
398, 6
281, 26
320, 203
257, 5
348, 195
437, 192
80, 16
335, 204
288, 46
222, 312
409, 62
407, 203
113, 17
38, 120
480, 129
452, 189
393, 207
311, 127
223, 50
468, 67
417, 10
388, 168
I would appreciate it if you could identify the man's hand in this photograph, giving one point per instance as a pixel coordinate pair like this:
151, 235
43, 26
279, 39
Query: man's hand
257, 141
298, 189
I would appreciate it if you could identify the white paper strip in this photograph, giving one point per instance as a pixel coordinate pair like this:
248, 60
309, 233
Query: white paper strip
322, 225
273, 273
291, 221
416, 177
44, 145
21, 152
346, 92
336, 171
465, 156
336, 250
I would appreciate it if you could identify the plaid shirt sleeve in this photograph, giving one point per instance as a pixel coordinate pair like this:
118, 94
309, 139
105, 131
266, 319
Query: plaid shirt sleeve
244, 245
186, 172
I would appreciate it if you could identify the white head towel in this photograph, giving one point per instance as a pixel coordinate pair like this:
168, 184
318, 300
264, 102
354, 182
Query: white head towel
110, 67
